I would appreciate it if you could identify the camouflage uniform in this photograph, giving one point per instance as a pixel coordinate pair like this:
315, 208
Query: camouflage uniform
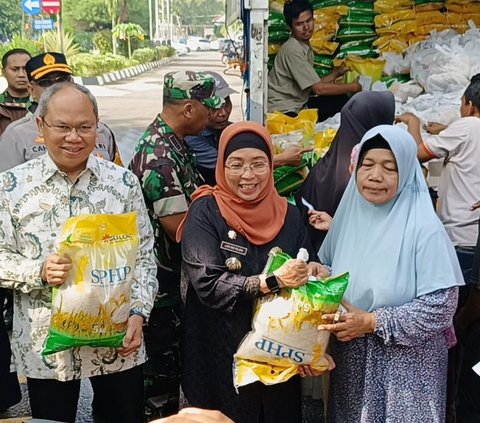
167, 173
12, 109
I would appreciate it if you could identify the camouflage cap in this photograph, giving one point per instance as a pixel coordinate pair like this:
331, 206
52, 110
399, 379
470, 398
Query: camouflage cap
182, 85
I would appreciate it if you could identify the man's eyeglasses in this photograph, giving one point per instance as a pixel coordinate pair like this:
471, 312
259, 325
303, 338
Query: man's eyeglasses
257, 168
48, 82
67, 130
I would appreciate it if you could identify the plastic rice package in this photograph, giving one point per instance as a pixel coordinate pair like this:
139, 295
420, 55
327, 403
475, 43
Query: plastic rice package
92, 306
284, 332
388, 6
280, 123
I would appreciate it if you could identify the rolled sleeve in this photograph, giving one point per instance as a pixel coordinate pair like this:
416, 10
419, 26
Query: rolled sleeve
145, 284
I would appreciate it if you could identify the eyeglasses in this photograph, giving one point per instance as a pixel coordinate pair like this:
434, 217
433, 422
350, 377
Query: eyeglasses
48, 82
67, 130
257, 168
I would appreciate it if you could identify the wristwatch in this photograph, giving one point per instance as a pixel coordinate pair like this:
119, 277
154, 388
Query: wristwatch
272, 283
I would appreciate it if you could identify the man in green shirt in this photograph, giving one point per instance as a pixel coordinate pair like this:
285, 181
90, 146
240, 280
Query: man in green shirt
15, 99
292, 78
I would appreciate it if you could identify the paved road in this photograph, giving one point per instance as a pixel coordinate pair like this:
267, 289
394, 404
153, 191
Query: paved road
128, 107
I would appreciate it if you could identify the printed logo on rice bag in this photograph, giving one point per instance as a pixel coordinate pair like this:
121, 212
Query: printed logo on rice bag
92, 307
284, 330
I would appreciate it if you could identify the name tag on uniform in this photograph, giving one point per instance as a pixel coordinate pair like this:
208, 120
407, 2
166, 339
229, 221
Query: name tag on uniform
237, 249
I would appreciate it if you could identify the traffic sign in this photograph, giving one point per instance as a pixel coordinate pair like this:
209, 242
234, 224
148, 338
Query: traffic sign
43, 24
32, 7
51, 6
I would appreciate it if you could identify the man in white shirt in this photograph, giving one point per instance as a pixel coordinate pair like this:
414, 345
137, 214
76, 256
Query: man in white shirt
459, 185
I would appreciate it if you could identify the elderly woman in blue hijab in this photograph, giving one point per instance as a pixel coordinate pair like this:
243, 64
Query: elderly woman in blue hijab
390, 345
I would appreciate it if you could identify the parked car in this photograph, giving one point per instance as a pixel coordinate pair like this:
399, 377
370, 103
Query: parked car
198, 44
181, 49
217, 44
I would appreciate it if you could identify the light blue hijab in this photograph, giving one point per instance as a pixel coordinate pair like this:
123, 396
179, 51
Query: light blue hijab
397, 251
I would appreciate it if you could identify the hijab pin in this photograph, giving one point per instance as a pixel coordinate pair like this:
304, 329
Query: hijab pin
232, 234
233, 263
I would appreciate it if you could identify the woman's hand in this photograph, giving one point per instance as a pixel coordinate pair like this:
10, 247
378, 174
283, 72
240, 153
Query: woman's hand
306, 370
317, 270
292, 274
320, 220
355, 323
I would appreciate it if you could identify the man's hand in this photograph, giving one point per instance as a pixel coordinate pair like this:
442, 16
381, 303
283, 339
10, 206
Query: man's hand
408, 119
434, 128
475, 206
340, 71
134, 336
356, 86
196, 415
353, 324
291, 156
55, 269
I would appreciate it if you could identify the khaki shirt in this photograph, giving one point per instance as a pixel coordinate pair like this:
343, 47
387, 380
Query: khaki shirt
291, 77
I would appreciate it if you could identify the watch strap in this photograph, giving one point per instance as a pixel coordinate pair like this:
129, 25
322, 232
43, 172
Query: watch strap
272, 283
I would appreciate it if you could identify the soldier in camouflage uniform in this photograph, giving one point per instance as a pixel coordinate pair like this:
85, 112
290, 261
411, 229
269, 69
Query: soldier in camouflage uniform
15, 99
166, 169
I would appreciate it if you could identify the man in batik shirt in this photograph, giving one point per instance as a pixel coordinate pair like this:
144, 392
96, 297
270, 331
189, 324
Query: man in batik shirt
36, 199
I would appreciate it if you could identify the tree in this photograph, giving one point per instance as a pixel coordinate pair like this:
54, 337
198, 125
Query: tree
85, 15
112, 6
197, 12
10, 19
127, 31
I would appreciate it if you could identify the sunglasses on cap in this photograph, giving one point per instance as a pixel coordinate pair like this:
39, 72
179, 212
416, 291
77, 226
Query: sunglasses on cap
48, 82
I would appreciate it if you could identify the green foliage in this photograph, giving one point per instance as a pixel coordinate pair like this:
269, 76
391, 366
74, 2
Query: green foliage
10, 19
85, 15
85, 41
144, 55
198, 12
103, 41
33, 46
127, 31
166, 51
86, 64
53, 43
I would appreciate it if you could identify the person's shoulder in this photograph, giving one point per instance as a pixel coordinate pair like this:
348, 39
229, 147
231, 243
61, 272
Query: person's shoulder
22, 172
21, 124
205, 205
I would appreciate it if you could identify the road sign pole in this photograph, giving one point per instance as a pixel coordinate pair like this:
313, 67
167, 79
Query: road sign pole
60, 32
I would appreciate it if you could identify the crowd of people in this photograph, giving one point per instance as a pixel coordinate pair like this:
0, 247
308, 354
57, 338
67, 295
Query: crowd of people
208, 214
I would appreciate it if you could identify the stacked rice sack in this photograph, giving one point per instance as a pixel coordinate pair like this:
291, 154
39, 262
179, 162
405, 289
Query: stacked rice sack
278, 33
326, 27
460, 12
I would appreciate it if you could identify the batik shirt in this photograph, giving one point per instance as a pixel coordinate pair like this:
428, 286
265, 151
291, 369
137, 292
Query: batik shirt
166, 169
36, 199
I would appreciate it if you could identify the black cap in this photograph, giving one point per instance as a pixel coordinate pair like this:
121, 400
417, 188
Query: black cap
43, 64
